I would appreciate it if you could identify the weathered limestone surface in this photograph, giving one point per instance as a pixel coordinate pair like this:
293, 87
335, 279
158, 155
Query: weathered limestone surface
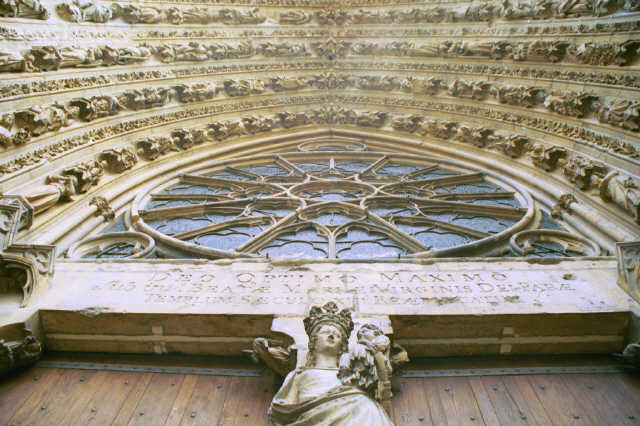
441, 288
442, 308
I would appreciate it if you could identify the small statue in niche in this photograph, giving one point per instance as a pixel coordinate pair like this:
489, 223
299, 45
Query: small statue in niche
336, 386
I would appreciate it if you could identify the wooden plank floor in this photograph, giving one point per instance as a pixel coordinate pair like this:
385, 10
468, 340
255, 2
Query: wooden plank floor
52, 396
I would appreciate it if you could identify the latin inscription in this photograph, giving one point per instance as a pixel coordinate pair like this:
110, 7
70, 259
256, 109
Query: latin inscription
211, 288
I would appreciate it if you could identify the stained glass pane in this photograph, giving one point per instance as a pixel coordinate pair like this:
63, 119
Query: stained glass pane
332, 219
313, 167
196, 189
351, 166
434, 236
117, 226
358, 243
305, 243
178, 225
396, 169
505, 202
469, 188
224, 174
548, 223
159, 204
115, 251
433, 174
549, 249
272, 169
228, 238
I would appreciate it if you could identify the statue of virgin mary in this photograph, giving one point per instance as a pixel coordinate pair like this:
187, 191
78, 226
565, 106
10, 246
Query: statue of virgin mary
323, 391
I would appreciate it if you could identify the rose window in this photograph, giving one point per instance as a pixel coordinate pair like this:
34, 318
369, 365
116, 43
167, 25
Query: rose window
334, 205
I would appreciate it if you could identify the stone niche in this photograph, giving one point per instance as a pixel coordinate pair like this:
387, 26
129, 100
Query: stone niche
435, 308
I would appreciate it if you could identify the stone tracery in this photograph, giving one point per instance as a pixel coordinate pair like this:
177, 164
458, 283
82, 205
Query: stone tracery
547, 91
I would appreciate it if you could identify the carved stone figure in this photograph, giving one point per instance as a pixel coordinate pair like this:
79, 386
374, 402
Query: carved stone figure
133, 14
547, 157
436, 128
469, 89
331, 48
84, 11
375, 119
279, 84
183, 138
43, 58
631, 354
477, 136
293, 119
96, 107
623, 191
408, 123
331, 17
125, 55
243, 87
197, 92
149, 97
513, 145
239, 17
619, 112
38, 120
19, 353
419, 86
336, 387
523, 96
284, 49
563, 205
117, 160
12, 62
78, 57
523, 9
63, 186
295, 17
631, 5
23, 9
222, 130
153, 147
580, 171
573, 104
257, 124
574, 8
537, 51
603, 54
103, 208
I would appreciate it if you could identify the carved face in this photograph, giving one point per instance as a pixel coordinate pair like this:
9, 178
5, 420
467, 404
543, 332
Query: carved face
328, 339
373, 337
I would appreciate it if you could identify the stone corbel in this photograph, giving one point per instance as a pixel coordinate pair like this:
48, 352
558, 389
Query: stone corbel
19, 348
628, 256
36, 262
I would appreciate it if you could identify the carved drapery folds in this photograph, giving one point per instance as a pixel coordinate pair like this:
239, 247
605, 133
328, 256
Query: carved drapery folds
336, 382
63, 186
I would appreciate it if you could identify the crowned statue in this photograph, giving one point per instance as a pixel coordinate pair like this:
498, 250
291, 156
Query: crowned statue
336, 385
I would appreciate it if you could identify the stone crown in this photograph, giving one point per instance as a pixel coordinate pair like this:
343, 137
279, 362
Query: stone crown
328, 314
